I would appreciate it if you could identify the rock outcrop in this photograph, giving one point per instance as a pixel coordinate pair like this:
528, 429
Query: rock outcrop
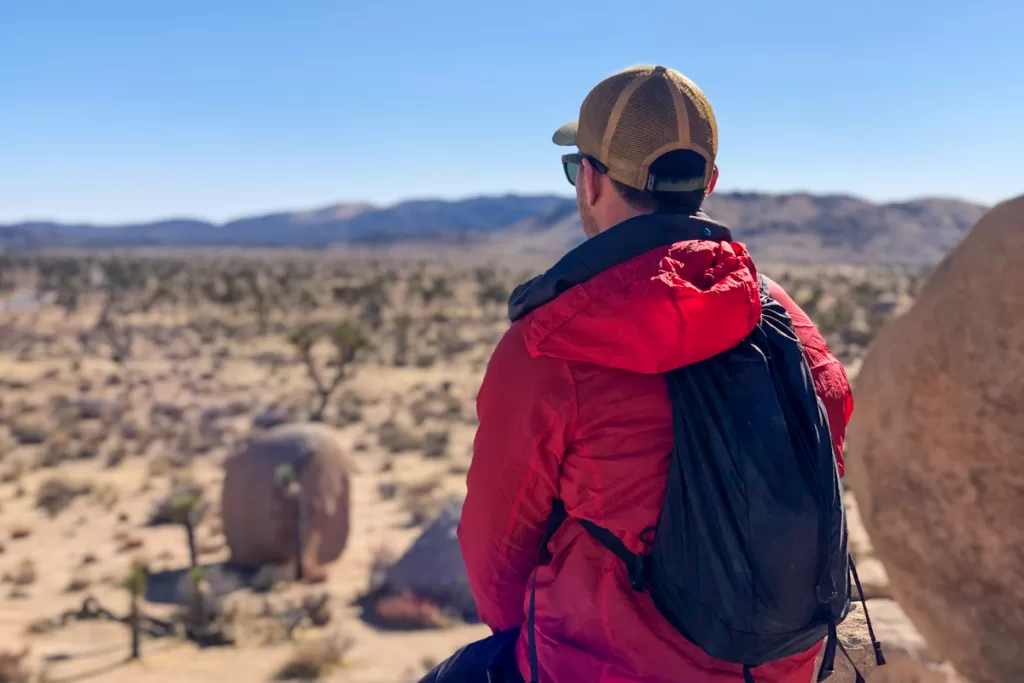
259, 521
433, 568
908, 659
937, 462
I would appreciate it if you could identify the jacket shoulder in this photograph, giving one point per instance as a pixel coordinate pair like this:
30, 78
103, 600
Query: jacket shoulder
515, 359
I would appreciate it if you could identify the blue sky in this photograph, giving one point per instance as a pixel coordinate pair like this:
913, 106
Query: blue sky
135, 109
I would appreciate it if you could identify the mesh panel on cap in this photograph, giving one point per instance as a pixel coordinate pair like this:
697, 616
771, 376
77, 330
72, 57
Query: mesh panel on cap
701, 117
597, 109
648, 122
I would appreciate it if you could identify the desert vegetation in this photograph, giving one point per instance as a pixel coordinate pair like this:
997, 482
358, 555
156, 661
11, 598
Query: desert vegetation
128, 379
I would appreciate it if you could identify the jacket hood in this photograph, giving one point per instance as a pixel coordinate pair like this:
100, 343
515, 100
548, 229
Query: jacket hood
649, 295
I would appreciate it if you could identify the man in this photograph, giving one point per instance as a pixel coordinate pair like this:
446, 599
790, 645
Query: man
574, 405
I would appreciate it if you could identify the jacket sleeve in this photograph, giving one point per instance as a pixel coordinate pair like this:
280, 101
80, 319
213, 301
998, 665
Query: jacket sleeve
526, 407
830, 380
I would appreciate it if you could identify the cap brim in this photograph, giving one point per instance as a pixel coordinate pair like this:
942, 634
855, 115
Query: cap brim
566, 135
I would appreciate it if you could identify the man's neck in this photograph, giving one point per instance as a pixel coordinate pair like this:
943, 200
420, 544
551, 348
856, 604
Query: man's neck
622, 215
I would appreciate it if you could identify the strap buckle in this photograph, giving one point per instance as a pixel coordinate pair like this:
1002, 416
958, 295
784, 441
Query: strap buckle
636, 569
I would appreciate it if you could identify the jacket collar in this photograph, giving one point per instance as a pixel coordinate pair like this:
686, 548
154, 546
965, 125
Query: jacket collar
614, 246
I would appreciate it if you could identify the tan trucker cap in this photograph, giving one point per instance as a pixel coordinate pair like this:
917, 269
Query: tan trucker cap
635, 116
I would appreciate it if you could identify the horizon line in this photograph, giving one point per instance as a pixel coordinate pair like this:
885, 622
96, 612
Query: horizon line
28, 221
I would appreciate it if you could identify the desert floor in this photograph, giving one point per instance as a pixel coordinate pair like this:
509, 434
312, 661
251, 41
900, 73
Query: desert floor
113, 435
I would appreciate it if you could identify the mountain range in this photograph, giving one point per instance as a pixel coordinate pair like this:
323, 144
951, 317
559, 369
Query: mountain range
790, 228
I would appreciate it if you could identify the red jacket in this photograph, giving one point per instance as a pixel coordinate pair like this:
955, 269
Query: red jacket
573, 406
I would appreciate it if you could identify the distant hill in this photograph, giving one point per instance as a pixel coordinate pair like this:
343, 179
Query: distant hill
803, 228
793, 228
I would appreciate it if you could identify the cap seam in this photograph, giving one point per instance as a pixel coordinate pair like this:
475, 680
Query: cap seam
613, 118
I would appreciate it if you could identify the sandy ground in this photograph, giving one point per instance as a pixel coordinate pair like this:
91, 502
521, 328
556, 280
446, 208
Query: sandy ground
97, 526
177, 372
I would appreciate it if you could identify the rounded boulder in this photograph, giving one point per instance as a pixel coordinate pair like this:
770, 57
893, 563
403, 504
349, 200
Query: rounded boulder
259, 519
938, 460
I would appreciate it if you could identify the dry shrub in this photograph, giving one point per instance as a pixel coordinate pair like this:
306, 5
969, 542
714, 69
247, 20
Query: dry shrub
14, 471
24, 575
56, 494
158, 467
387, 490
270, 576
130, 428
58, 448
80, 581
19, 531
426, 361
29, 429
163, 509
116, 453
406, 611
436, 444
126, 542
107, 496
6, 442
439, 404
395, 438
458, 468
13, 667
96, 408
422, 501
315, 658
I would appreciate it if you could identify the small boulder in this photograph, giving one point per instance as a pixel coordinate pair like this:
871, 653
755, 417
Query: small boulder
96, 408
259, 520
270, 418
432, 567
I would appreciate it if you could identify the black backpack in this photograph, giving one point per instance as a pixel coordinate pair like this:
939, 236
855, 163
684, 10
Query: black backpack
749, 558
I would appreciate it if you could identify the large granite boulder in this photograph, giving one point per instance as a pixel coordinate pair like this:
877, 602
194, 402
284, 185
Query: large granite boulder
433, 568
259, 520
937, 457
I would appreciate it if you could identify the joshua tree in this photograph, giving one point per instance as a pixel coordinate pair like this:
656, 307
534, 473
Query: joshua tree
439, 290
258, 287
290, 488
403, 326
136, 585
195, 615
184, 511
348, 340
490, 290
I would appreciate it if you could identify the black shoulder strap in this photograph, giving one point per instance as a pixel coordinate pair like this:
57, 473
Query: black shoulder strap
636, 564
555, 519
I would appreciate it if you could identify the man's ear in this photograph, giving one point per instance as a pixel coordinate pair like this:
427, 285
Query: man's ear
592, 183
714, 181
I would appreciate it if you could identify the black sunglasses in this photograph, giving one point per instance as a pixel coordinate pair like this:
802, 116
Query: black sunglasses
571, 165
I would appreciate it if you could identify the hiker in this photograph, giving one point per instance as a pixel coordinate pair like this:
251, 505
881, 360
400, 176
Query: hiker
598, 409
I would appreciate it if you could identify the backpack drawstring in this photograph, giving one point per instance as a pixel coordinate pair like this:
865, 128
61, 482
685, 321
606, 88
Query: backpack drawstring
879, 657
828, 660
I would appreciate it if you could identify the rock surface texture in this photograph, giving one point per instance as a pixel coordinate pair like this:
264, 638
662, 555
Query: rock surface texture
937, 440
259, 521
433, 568
908, 659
